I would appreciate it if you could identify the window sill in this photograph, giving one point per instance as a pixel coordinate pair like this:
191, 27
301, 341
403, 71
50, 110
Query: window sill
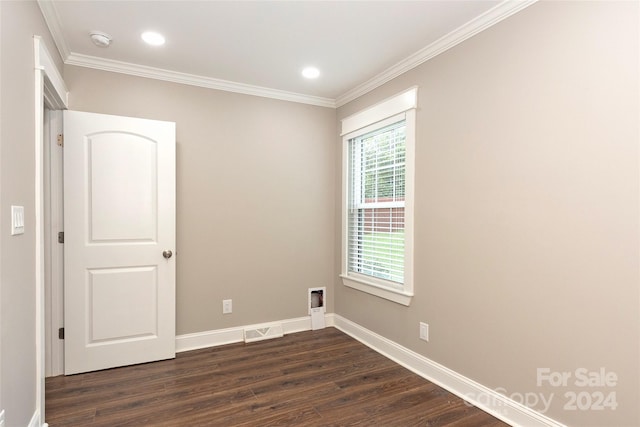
397, 296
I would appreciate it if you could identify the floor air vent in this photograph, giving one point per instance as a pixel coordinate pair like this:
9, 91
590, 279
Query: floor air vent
262, 332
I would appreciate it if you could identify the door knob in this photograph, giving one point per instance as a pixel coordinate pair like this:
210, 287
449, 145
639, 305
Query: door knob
167, 254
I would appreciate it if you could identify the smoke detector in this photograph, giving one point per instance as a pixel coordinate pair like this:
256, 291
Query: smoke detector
100, 39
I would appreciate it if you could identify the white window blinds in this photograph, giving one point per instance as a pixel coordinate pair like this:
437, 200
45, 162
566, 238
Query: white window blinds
375, 239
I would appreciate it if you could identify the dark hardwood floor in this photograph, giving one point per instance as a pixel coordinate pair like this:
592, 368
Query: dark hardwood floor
316, 378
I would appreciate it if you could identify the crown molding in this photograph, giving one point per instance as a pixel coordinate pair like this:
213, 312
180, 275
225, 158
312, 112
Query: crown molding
455, 37
496, 14
52, 19
194, 80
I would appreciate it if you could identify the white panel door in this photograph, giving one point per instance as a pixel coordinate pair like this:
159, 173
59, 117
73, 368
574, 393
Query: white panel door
119, 225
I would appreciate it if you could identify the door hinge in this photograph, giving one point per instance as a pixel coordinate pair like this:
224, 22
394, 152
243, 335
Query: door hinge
61, 333
61, 140
61, 237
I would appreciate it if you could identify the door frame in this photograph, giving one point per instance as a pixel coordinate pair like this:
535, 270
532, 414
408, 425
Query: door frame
50, 91
53, 251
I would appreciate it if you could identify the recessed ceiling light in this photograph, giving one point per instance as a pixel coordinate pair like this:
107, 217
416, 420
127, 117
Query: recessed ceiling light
153, 38
311, 73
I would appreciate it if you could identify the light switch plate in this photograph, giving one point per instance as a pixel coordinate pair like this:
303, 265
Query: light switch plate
17, 220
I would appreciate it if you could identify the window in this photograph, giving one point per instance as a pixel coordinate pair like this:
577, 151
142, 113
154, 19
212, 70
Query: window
378, 207
376, 203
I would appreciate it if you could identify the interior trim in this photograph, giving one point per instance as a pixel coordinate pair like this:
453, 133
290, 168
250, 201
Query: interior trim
235, 334
455, 37
52, 19
55, 92
193, 80
498, 13
49, 88
490, 401
35, 420
369, 287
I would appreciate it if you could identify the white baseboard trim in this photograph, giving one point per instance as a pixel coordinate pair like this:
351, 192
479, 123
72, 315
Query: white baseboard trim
483, 397
35, 420
218, 337
488, 400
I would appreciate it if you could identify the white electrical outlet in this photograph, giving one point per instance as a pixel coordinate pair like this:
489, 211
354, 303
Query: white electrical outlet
227, 306
424, 331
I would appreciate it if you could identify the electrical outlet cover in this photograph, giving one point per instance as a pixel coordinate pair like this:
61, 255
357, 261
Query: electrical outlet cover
227, 306
424, 331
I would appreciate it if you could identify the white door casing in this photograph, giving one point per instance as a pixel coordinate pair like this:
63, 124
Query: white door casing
119, 216
53, 251
49, 91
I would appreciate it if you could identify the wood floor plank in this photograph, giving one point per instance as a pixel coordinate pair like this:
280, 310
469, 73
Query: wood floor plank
315, 378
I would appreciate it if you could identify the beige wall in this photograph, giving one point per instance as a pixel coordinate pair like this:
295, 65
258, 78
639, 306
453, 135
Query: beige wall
19, 22
527, 203
1, 208
255, 194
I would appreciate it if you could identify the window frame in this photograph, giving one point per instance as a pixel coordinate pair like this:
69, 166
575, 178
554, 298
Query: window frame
398, 107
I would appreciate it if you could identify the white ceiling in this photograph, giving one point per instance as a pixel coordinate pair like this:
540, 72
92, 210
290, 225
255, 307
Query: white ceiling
262, 46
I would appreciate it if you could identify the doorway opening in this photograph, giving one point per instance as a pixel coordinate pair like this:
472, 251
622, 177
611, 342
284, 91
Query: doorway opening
53, 238
51, 94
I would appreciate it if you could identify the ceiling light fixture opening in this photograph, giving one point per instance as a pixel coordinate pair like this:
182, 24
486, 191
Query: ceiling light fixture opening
100, 39
153, 38
311, 73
